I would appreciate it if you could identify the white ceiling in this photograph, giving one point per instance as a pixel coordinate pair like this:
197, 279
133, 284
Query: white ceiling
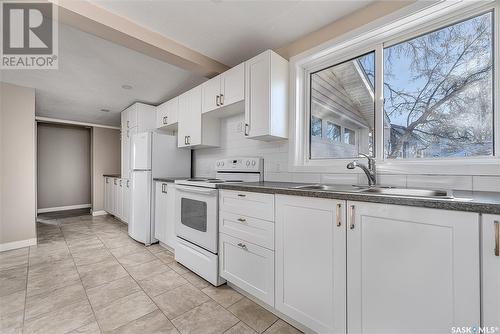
92, 70
232, 31
90, 75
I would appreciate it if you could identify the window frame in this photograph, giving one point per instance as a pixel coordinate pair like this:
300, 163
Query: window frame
410, 22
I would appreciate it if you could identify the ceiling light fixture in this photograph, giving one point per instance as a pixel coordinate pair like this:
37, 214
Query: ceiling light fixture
105, 110
126, 87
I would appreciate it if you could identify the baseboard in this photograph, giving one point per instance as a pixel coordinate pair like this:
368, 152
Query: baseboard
99, 213
17, 244
64, 208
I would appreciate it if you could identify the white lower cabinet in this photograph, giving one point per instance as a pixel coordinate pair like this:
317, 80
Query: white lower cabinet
248, 266
311, 262
125, 200
164, 215
411, 270
107, 193
491, 270
119, 199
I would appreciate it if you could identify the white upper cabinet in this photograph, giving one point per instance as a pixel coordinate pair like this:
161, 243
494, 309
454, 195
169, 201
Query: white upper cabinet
411, 270
311, 261
167, 114
193, 129
224, 89
491, 270
139, 115
266, 97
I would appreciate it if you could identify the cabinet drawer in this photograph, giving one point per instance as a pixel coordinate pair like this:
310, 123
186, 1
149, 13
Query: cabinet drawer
248, 204
248, 266
257, 231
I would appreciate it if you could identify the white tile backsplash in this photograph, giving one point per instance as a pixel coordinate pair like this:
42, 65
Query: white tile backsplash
275, 154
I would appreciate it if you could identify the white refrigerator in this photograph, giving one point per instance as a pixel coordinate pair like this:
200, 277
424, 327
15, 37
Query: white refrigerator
153, 155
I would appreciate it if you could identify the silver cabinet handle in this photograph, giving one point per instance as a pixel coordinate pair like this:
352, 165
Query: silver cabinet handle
339, 219
497, 232
189, 140
221, 99
246, 129
242, 220
241, 245
120, 183
128, 124
242, 195
217, 98
165, 119
351, 226
107, 180
185, 140
128, 183
164, 188
114, 182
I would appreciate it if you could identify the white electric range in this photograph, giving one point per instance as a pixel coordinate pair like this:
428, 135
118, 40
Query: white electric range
197, 214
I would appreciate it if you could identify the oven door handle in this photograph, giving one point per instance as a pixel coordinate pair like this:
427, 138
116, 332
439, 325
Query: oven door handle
197, 190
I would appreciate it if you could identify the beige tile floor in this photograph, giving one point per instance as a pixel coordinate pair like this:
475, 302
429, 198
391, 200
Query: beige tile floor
87, 276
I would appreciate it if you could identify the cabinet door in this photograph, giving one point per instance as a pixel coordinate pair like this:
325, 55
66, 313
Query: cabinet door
125, 200
233, 85
184, 120
162, 115
211, 91
311, 261
172, 110
161, 211
132, 116
125, 152
112, 206
491, 270
258, 98
411, 270
119, 199
194, 134
106, 194
171, 239
248, 266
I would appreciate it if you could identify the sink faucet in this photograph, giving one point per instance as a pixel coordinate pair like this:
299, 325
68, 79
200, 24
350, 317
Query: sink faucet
370, 171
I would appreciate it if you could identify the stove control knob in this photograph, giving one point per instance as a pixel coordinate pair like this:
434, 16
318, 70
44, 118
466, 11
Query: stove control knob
253, 162
218, 163
222, 163
248, 163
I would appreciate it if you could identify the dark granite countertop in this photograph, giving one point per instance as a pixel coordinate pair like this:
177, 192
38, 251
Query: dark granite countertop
118, 176
472, 201
168, 179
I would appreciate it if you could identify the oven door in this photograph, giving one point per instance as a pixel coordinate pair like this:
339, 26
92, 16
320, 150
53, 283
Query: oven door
196, 216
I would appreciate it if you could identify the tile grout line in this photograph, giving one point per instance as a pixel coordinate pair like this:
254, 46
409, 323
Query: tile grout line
151, 299
84, 290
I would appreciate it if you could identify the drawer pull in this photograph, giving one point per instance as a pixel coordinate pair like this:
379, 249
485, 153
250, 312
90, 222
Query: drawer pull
339, 220
242, 246
242, 220
497, 232
242, 195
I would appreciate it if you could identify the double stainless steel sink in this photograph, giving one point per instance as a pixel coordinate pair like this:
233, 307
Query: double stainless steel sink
380, 190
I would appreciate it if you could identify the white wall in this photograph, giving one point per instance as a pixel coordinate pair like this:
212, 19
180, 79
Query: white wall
233, 143
63, 163
105, 160
17, 167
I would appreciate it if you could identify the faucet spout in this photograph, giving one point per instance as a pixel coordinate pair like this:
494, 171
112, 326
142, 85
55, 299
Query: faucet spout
369, 170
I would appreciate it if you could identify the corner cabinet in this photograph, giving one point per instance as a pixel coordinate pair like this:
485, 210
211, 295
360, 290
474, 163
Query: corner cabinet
311, 261
266, 97
490, 254
195, 130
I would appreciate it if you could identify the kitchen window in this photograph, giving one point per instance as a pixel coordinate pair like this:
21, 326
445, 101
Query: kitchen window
316, 126
419, 91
